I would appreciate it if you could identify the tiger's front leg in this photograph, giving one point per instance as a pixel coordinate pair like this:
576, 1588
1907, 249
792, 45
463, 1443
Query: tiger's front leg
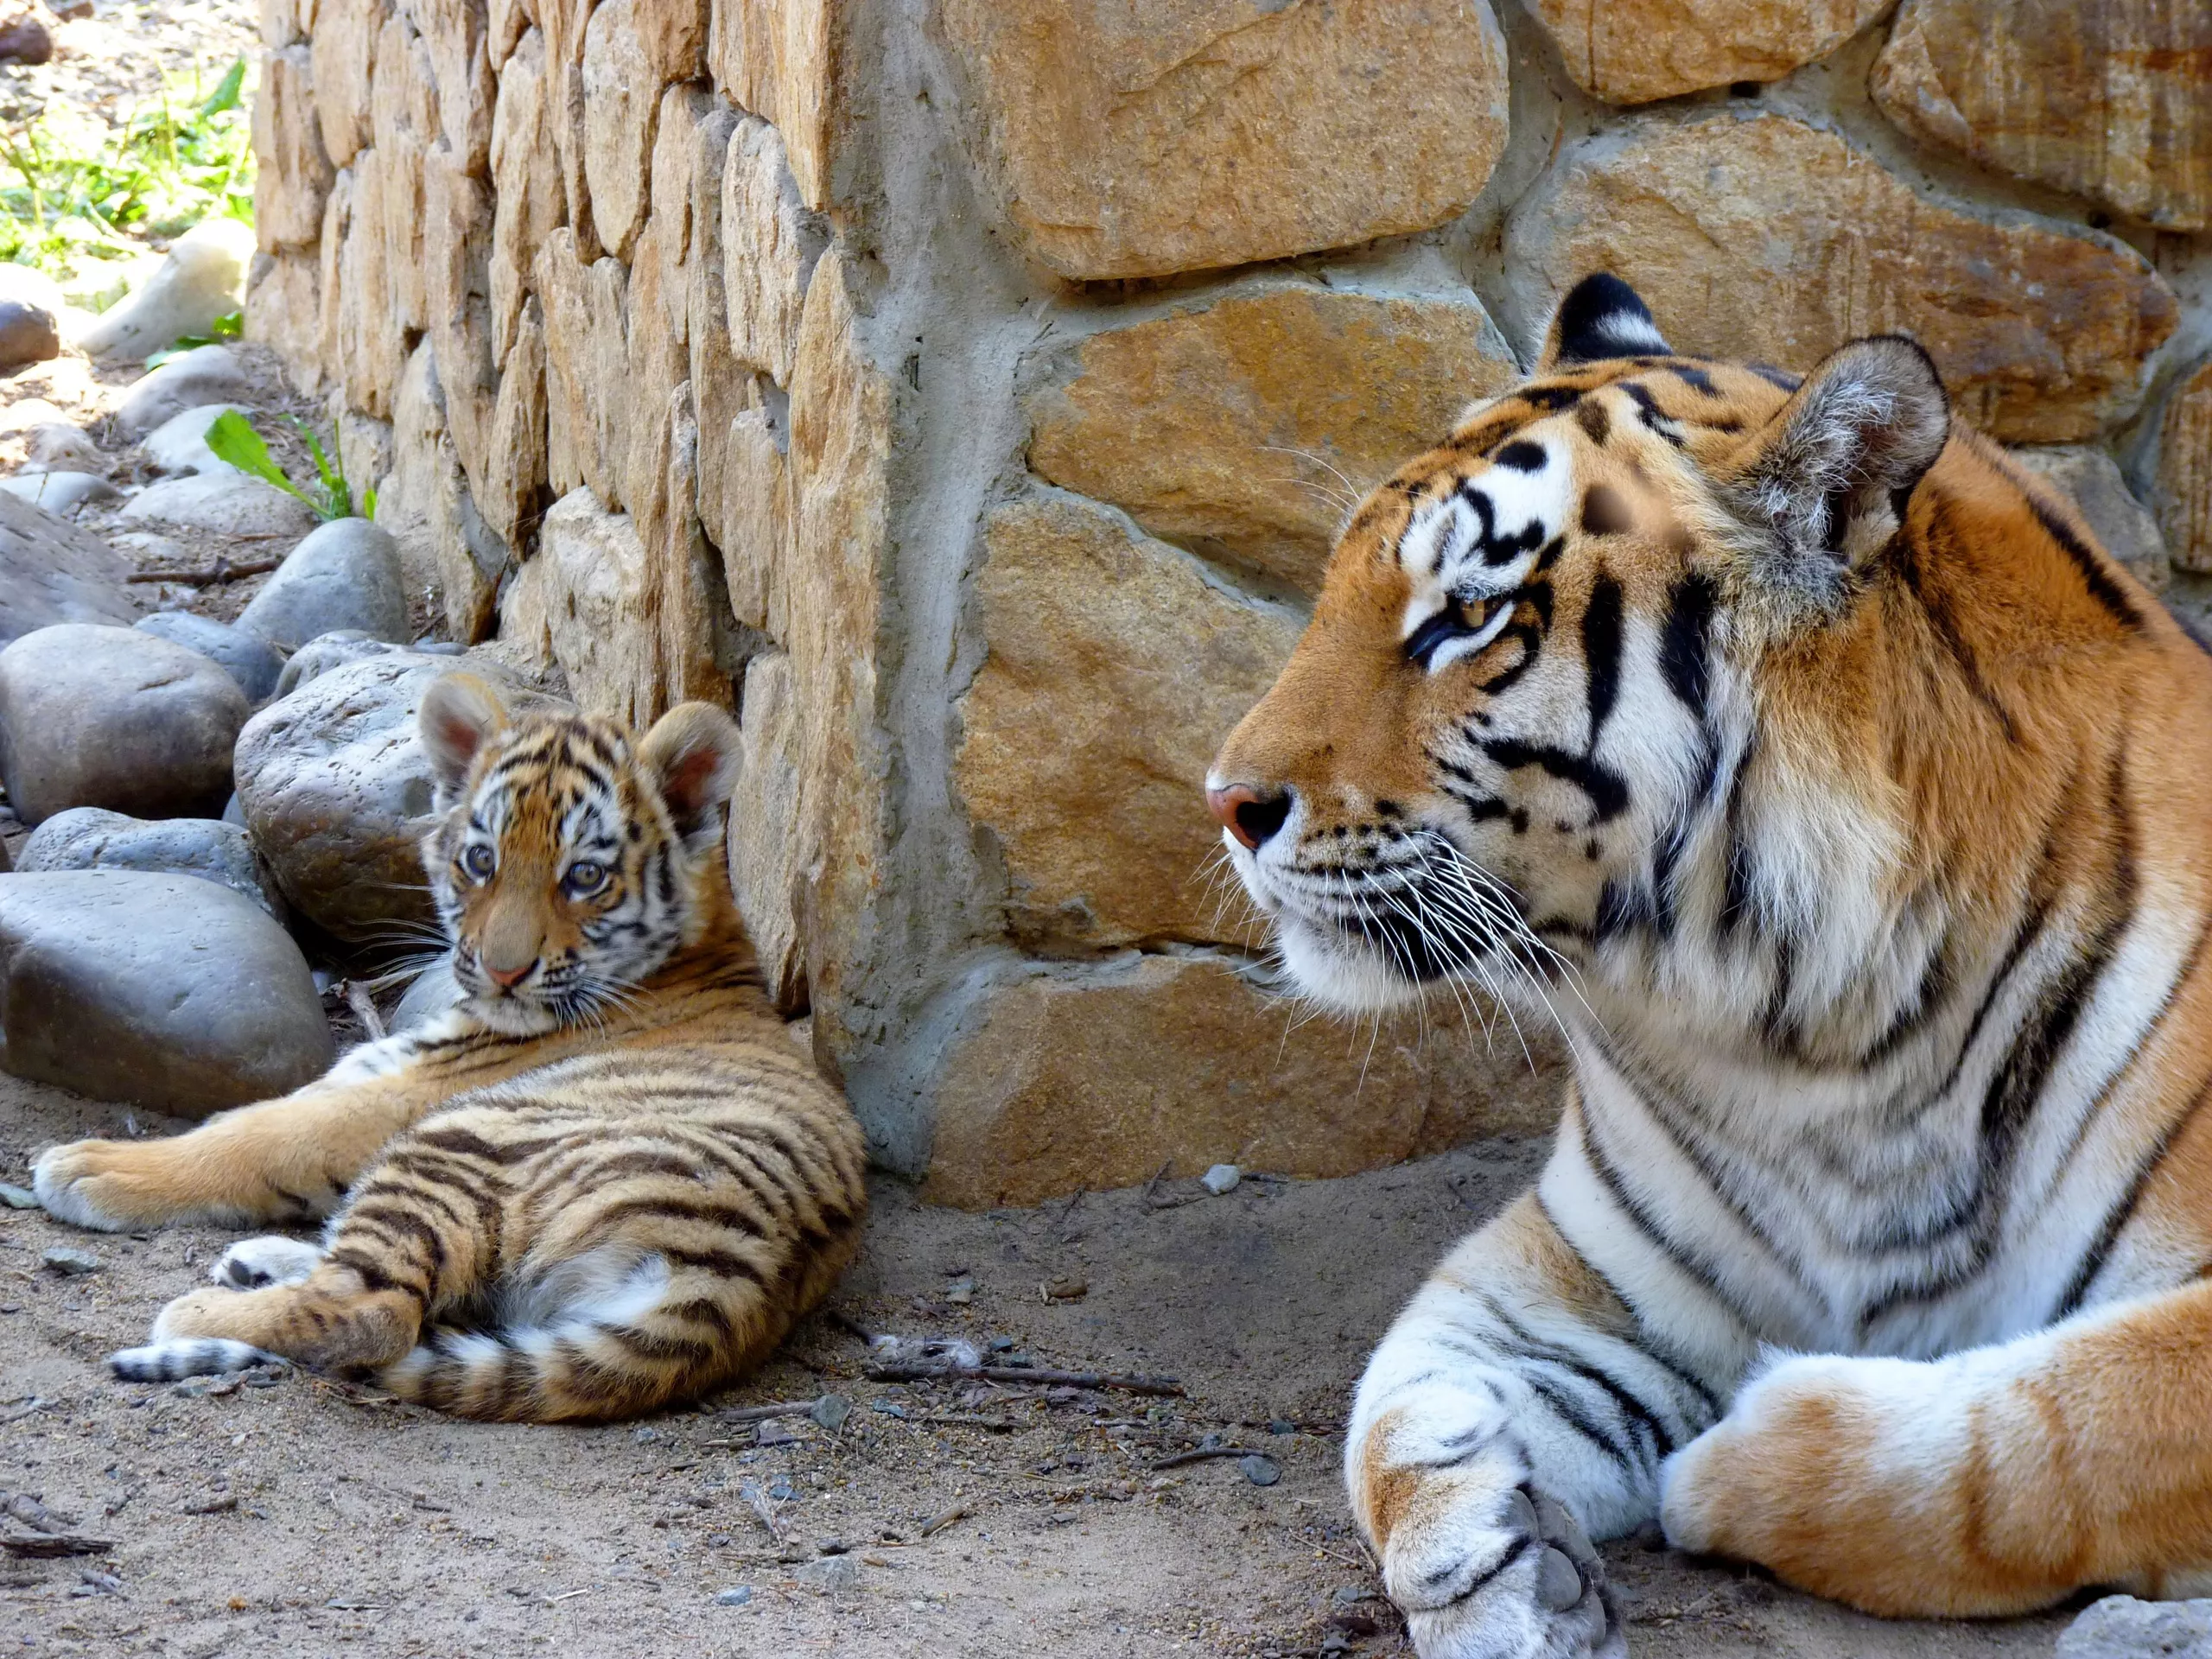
285, 1160
1509, 1416
1995, 1481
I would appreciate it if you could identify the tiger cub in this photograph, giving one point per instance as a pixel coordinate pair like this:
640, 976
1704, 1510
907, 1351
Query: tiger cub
605, 1182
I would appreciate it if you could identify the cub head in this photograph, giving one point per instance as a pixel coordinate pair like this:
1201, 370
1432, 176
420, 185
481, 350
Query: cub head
1529, 673
569, 861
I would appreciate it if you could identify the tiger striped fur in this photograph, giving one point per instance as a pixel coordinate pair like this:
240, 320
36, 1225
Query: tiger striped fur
1848, 806
606, 1182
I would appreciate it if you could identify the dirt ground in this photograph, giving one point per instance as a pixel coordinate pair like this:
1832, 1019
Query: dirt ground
304, 1517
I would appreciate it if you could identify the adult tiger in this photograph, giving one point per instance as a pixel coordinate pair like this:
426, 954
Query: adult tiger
605, 1182
1850, 806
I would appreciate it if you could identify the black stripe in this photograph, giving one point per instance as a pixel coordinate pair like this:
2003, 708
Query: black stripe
1601, 646
1940, 619
1648, 1225
1685, 640
1607, 789
1625, 1401
2120, 1214
2103, 588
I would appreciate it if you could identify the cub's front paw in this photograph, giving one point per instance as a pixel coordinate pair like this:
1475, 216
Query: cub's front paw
257, 1263
96, 1184
1520, 1582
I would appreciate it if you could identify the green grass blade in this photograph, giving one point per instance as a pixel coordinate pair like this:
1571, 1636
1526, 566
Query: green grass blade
226, 95
234, 439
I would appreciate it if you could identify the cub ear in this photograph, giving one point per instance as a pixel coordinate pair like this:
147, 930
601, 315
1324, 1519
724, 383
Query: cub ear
1601, 316
459, 713
692, 754
1828, 478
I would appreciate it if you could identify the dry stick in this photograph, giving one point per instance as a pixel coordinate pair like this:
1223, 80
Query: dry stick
364, 1009
762, 1414
1202, 1455
46, 1545
223, 571
939, 1521
928, 1371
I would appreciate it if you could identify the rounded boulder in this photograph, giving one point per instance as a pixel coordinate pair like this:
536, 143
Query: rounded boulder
346, 574
89, 838
247, 658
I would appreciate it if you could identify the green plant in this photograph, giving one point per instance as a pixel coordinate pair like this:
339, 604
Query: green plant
75, 191
232, 438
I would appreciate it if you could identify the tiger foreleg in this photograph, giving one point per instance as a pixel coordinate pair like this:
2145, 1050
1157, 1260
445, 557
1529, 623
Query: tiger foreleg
1994, 1481
1509, 1417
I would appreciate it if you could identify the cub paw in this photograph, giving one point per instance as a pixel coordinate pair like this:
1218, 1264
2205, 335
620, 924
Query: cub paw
257, 1263
89, 1184
171, 1362
1522, 1582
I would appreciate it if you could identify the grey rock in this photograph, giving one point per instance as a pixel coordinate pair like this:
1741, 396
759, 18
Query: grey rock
234, 812
224, 503
830, 1410
180, 444
736, 1596
345, 576
2089, 478
434, 992
208, 374
336, 790
166, 991
1261, 1472
325, 652
58, 446
28, 334
105, 717
2121, 1627
51, 571
247, 657
70, 1263
88, 838
836, 1574
1221, 1179
60, 493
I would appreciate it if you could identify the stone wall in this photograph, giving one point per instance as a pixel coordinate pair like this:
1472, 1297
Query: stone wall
968, 392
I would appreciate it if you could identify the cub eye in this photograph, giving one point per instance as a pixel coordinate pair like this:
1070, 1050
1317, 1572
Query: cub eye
1456, 631
479, 861
584, 876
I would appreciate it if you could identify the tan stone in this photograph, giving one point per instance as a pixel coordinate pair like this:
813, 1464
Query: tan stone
581, 603
364, 446
426, 505
405, 123
786, 60
457, 252
587, 358
675, 36
1115, 668
506, 23
2090, 480
279, 22
1633, 51
1063, 1080
514, 494
770, 243
293, 173
681, 568
721, 387
1249, 425
361, 347
754, 526
564, 23
1764, 238
1176, 134
621, 102
2111, 101
763, 823
658, 312
283, 311
343, 50
2184, 485
456, 33
529, 202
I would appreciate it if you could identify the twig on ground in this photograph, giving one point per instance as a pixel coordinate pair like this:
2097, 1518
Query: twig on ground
944, 1518
1201, 1455
762, 1414
929, 1371
849, 1326
222, 571
364, 1009
46, 1546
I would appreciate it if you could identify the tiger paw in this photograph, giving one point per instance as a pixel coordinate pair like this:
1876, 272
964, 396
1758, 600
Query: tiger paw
101, 1184
1519, 1581
257, 1263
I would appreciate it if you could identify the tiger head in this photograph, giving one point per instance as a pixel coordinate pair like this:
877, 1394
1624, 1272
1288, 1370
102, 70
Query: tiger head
567, 861
1650, 647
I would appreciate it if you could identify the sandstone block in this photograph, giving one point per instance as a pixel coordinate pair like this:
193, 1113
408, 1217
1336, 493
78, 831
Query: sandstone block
770, 243
584, 602
754, 525
426, 504
108, 717
1634, 51
456, 33
2105, 101
342, 51
89, 838
2184, 481
1173, 134
587, 361
528, 199
457, 252
1768, 238
658, 318
2093, 483
208, 1005
283, 311
1114, 669
1249, 425
52, 572
404, 122
294, 171
763, 815
787, 61
1062, 1079
621, 100
514, 494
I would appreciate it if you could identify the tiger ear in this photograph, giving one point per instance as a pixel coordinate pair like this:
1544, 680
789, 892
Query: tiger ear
693, 756
1601, 316
459, 713
1826, 481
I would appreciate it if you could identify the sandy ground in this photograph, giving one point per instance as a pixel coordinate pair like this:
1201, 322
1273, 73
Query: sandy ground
308, 1517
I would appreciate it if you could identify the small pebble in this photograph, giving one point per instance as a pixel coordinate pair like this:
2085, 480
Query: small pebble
1261, 1472
831, 1411
1001, 1344
17, 1198
773, 1432
1066, 1289
1221, 1179
1279, 1426
780, 1488
736, 1596
960, 1292
69, 1263
645, 1436
718, 1541
888, 1407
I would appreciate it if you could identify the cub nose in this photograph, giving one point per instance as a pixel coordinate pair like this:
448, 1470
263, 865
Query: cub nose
1250, 815
508, 978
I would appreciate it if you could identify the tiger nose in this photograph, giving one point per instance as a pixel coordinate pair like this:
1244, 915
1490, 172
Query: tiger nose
1251, 815
508, 978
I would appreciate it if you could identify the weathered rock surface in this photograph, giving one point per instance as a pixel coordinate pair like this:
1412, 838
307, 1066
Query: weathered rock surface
2091, 480
1764, 238
61, 494
762, 871
529, 201
770, 243
621, 96
2107, 101
788, 63
163, 990
2184, 484
1634, 51
293, 173
206, 374
58, 446
336, 790
1061, 1079
1116, 668
109, 716
202, 278
434, 991
247, 657
2121, 1627
345, 575
583, 603
180, 444
327, 652
28, 334
227, 504
51, 571
89, 838
1173, 135
1249, 425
